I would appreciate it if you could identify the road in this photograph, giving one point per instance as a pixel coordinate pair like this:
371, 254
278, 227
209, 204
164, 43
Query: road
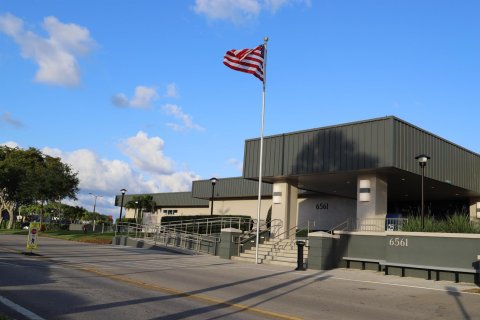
69, 280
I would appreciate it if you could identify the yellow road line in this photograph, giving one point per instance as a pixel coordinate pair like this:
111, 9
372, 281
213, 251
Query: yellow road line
172, 291
199, 297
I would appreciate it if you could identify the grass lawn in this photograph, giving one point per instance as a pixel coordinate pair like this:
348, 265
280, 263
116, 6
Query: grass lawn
91, 237
14, 231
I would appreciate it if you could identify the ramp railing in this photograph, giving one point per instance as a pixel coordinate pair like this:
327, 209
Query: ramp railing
211, 225
165, 236
370, 225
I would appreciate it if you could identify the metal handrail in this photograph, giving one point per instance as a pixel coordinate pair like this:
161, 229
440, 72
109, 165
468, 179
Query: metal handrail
275, 223
370, 225
209, 223
209, 220
205, 219
346, 222
288, 231
279, 238
252, 234
166, 236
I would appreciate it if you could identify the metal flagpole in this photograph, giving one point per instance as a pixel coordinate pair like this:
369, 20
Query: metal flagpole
265, 41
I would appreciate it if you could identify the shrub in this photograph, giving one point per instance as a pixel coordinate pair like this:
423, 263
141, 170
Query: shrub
461, 224
456, 223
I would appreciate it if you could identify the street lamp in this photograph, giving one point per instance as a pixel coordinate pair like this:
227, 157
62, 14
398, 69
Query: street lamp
422, 161
94, 206
213, 181
121, 204
136, 210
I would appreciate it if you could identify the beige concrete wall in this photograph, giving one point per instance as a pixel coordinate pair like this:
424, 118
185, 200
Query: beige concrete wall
220, 207
184, 211
226, 207
129, 213
325, 212
285, 209
242, 207
376, 207
475, 209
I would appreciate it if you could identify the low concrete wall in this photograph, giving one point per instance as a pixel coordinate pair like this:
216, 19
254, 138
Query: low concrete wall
419, 251
321, 252
119, 240
79, 227
228, 246
442, 249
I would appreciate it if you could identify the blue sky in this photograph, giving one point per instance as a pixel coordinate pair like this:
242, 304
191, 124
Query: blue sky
133, 94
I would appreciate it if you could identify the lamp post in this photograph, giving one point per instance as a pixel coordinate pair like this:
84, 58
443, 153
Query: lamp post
136, 211
94, 206
121, 205
213, 181
422, 161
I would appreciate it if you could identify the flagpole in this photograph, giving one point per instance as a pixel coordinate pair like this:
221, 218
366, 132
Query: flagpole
265, 41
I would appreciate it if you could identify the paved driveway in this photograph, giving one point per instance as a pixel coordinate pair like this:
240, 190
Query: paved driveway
69, 280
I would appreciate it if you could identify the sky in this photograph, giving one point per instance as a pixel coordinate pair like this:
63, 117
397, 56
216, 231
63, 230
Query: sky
134, 94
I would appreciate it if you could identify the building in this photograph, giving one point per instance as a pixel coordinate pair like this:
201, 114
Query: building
321, 177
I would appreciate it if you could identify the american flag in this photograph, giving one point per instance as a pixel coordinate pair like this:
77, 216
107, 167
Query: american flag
246, 60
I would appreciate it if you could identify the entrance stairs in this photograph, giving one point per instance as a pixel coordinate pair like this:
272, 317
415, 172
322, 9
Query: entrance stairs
279, 252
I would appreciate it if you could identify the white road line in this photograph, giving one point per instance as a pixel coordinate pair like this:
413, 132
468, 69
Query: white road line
27, 313
327, 276
453, 289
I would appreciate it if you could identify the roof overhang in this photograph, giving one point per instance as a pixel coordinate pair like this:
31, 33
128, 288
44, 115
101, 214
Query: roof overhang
402, 185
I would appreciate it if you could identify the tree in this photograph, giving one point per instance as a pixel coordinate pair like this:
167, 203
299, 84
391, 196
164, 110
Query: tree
141, 204
73, 214
29, 176
14, 164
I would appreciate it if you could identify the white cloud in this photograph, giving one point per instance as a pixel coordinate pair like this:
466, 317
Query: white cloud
143, 98
172, 91
6, 117
99, 174
274, 5
147, 153
10, 144
177, 181
185, 119
55, 55
239, 11
120, 100
236, 163
232, 10
106, 177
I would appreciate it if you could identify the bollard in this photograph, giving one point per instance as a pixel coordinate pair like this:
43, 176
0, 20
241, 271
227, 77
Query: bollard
300, 245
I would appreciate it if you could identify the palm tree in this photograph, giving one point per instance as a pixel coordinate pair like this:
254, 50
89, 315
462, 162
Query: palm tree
142, 203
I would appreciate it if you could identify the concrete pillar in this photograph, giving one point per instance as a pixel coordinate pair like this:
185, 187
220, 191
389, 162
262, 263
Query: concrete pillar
371, 201
285, 206
228, 243
475, 209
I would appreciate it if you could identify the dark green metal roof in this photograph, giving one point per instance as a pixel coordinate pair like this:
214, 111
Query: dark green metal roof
365, 146
167, 199
353, 146
229, 188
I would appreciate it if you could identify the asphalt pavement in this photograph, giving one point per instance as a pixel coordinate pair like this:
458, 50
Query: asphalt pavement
70, 280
